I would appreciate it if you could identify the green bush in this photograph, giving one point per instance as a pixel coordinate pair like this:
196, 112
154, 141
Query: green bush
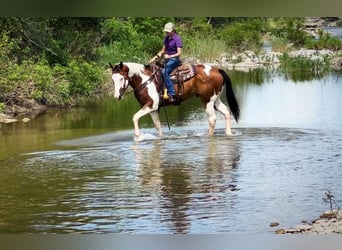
244, 35
290, 29
2, 107
302, 68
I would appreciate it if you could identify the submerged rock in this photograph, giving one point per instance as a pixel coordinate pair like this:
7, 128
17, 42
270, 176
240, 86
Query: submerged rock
6, 119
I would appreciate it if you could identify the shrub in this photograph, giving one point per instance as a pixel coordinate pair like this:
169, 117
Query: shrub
325, 41
244, 35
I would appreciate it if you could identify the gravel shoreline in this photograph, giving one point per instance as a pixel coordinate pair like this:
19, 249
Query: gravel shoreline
330, 222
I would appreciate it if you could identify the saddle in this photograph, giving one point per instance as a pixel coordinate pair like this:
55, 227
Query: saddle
183, 73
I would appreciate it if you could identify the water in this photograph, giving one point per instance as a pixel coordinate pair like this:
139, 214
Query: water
80, 170
334, 31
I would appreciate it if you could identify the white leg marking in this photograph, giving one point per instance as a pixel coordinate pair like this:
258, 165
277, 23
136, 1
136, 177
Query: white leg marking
143, 111
211, 115
156, 121
220, 106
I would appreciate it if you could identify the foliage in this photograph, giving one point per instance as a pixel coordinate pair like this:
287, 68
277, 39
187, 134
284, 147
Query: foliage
330, 199
60, 60
2, 107
290, 29
56, 85
244, 35
325, 41
131, 39
300, 68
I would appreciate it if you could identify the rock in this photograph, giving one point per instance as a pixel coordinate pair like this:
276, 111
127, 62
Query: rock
338, 215
26, 119
330, 222
328, 214
274, 224
304, 227
6, 119
280, 231
336, 63
292, 230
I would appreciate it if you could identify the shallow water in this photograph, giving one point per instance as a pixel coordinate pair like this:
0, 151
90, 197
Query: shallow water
84, 175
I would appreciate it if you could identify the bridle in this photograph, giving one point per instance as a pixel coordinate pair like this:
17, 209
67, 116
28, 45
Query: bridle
122, 91
128, 80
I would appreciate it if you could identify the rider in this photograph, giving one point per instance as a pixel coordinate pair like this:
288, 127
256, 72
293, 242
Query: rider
172, 49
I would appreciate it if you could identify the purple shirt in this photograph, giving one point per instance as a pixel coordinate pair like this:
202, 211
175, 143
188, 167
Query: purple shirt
172, 43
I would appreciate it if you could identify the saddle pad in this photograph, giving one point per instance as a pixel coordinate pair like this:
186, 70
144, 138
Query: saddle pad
183, 73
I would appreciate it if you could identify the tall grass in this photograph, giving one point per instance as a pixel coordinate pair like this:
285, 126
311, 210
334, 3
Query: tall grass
206, 49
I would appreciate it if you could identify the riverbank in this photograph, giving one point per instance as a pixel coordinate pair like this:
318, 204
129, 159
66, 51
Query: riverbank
25, 108
330, 222
250, 60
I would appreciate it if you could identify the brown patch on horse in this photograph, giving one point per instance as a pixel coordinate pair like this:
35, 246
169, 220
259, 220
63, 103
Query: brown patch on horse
121, 69
140, 91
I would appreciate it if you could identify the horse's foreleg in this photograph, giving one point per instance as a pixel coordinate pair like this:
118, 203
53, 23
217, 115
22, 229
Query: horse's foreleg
220, 106
211, 117
156, 121
143, 111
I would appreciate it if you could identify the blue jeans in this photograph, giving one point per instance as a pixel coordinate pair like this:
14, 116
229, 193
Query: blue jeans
170, 65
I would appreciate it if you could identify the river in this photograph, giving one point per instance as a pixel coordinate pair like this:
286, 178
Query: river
80, 171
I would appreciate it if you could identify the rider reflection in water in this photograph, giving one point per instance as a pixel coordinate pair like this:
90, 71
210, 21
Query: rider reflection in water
171, 50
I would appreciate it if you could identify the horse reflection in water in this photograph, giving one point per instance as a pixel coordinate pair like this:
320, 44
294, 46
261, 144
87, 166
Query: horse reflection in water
207, 83
189, 190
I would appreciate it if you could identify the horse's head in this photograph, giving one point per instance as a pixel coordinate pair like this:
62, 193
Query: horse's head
120, 79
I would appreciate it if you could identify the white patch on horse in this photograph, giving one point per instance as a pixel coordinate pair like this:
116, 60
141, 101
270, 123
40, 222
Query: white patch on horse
143, 76
151, 89
153, 93
119, 82
207, 69
210, 110
134, 68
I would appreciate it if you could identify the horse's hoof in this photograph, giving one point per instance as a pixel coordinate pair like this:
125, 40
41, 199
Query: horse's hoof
145, 137
138, 137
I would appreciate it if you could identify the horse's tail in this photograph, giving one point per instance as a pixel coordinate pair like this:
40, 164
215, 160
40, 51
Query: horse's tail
232, 102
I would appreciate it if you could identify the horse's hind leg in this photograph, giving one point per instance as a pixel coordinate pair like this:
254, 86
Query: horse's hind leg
211, 116
220, 106
156, 121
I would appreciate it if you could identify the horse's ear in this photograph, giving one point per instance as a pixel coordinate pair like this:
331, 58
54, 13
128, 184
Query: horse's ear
121, 65
111, 65
147, 66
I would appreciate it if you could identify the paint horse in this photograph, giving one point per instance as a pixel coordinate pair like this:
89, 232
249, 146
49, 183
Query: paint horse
147, 83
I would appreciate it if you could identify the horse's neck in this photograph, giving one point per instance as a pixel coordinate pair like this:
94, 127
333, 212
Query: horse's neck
136, 74
134, 68
135, 81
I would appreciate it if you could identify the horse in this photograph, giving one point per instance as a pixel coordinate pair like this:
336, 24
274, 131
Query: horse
206, 83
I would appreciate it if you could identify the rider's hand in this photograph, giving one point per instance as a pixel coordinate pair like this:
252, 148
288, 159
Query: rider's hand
156, 57
153, 59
